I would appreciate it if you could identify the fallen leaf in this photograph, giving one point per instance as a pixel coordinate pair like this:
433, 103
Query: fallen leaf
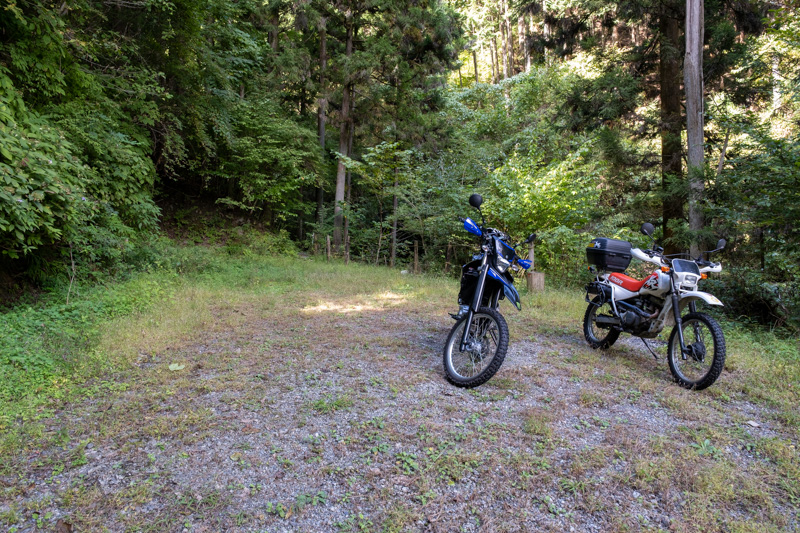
753, 423
63, 527
175, 366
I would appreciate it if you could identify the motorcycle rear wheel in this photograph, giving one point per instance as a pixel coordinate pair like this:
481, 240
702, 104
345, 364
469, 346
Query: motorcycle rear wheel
598, 337
480, 361
701, 368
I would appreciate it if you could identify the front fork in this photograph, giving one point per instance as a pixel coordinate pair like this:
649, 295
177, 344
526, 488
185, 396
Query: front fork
678, 322
476, 300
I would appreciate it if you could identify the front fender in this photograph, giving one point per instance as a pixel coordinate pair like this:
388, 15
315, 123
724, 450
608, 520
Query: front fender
710, 299
509, 290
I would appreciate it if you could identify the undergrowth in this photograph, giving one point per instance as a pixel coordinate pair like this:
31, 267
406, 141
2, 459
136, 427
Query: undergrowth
49, 347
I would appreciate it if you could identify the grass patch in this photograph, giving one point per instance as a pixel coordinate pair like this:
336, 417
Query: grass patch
244, 350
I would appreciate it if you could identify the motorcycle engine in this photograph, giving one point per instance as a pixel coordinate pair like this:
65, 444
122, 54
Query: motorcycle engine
634, 322
631, 321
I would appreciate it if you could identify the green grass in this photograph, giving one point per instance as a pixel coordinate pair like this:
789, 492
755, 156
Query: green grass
329, 331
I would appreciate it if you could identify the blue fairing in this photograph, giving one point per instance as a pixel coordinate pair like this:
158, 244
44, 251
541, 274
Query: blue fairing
473, 228
509, 290
524, 263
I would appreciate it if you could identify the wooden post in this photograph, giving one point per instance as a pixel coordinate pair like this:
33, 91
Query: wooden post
314, 244
535, 279
416, 257
328, 246
447, 258
347, 248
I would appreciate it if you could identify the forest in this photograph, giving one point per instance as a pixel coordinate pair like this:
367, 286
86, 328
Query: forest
370, 122
230, 232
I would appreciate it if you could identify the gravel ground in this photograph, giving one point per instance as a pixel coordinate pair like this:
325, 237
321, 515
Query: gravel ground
338, 418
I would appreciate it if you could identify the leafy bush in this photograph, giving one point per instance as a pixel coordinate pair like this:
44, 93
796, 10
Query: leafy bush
41, 180
750, 296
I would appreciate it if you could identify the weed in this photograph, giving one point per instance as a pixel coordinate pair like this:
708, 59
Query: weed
331, 403
407, 462
706, 448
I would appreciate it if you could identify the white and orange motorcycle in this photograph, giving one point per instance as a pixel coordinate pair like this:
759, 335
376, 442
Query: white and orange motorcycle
643, 308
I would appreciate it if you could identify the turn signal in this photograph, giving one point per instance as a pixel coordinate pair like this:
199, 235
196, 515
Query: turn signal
703, 276
664, 269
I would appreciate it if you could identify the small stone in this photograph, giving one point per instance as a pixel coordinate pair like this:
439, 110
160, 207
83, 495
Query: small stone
753, 423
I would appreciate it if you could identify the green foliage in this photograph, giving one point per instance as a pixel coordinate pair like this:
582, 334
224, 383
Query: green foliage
533, 193
118, 155
42, 180
272, 158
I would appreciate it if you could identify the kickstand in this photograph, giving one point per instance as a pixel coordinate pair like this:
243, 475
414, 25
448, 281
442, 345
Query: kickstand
648, 347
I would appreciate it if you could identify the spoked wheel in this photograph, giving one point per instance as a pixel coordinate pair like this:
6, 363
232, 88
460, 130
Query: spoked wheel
599, 336
486, 348
705, 357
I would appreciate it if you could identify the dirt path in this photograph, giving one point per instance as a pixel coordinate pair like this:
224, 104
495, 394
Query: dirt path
336, 417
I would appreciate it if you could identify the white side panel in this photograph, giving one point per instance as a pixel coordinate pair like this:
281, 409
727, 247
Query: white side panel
619, 293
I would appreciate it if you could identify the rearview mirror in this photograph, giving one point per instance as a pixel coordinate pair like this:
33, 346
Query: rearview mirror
476, 200
531, 238
648, 229
721, 244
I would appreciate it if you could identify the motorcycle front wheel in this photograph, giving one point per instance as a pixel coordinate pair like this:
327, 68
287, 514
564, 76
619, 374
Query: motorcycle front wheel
596, 336
705, 343
487, 343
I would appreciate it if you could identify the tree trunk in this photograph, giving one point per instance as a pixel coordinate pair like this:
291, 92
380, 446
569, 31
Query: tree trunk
510, 39
323, 107
504, 42
493, 57
300, 218
721, 164
348, 184
693, 85
343, 133
671, 164
523, 42
393, 253
545, 32
776, 85
475, 64
274, 22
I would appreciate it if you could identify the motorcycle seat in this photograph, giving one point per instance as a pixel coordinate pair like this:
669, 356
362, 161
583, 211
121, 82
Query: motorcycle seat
627, 282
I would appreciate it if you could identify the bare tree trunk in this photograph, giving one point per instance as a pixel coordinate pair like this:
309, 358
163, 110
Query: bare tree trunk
693, 85
475, 64
460, 79
523, 42
721, 164
348, 183
274, 21
300, 218
343, 138
393, 253
776, 87
504, 41
493, 56
546, 32
323, 107
671, 163
510, 39
380, 231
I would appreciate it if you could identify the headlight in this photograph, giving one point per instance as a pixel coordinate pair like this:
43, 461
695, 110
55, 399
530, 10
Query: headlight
504, 255
502, 264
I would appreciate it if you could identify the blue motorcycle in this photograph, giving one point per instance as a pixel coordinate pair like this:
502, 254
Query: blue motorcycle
477, 344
